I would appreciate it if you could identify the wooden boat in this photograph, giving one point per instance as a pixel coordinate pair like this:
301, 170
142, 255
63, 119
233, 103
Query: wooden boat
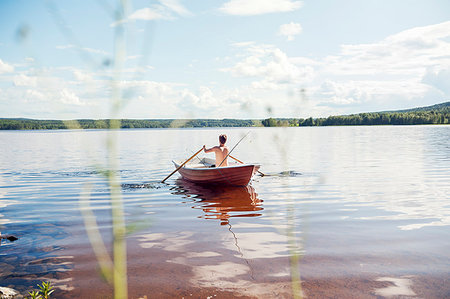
203, 171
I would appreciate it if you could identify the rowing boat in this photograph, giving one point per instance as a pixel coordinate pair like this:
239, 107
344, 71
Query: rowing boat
204, 172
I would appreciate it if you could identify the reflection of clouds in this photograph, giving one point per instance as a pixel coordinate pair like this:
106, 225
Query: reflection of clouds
422, 218
169, 242
444, 222
252, 245
3, 204
190, 255
218, 270
234, 277
400, 287
423, 208
62, 284
256, 245
401, 170
284, 273
56, 265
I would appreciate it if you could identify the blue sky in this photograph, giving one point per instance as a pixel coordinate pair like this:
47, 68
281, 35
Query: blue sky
221, 59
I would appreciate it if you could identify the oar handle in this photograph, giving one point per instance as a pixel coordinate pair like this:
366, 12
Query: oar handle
236, 159
182, 164
243, 163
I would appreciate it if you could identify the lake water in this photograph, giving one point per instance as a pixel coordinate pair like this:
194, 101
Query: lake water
360, 212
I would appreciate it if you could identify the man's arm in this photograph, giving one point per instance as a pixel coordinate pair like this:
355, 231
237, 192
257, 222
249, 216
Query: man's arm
208, 150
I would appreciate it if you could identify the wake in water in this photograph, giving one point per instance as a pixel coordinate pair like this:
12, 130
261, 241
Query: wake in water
287, 173
149, 185
10, 238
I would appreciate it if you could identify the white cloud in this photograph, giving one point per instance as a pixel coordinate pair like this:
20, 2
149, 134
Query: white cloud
409, 52
259, 7
176, 6
272, 68
5, 68
48, 93
24, 80
410, 66
68, 97
166, 10
85, 49
290, 30
203, 99
34, 95
82, 75
362, 91
439, 78
154, 13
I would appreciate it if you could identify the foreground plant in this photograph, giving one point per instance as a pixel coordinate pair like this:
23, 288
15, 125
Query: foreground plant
45, 290
34, 295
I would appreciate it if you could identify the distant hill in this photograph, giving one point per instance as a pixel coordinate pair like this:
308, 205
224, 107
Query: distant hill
437, 107
435, 114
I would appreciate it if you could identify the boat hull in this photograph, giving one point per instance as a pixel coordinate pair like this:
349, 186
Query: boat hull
239, 175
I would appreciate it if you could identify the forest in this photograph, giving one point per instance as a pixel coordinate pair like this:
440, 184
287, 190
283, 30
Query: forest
35, 124
436, 114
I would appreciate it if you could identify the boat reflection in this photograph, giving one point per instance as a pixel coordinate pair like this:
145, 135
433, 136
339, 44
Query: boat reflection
222, 202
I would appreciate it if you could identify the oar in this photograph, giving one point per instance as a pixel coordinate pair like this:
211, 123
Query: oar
182, 165
262, 174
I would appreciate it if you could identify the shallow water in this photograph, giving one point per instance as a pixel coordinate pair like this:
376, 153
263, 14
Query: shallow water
366, 210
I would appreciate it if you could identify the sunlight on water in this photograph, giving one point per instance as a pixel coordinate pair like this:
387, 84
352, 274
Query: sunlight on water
359, 201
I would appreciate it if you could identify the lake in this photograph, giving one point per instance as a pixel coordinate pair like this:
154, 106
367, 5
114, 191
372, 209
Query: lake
355, 212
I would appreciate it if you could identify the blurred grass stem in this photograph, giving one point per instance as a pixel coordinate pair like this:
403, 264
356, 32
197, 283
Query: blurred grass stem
117, 208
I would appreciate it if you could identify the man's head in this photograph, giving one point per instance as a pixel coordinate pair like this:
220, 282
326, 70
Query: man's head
222, 139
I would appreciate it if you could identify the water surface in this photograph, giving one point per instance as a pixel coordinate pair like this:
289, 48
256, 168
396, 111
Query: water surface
365, 209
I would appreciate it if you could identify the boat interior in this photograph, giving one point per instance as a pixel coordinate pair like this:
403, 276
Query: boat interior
198, 162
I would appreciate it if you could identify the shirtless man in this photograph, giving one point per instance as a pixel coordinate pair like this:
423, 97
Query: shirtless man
221, 151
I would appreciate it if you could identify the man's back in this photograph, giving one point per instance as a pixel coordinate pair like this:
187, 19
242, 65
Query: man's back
221, 151
221, 154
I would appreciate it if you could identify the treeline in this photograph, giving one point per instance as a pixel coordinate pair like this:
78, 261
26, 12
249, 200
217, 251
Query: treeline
34, 124
369, 119
436, 114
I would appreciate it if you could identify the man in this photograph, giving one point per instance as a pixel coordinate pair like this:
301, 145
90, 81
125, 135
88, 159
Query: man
221, 151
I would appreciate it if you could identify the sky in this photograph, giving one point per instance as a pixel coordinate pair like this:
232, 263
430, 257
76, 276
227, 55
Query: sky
246, 59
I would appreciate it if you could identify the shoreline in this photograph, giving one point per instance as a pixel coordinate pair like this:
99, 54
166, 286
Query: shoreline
438, 114
213, 128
